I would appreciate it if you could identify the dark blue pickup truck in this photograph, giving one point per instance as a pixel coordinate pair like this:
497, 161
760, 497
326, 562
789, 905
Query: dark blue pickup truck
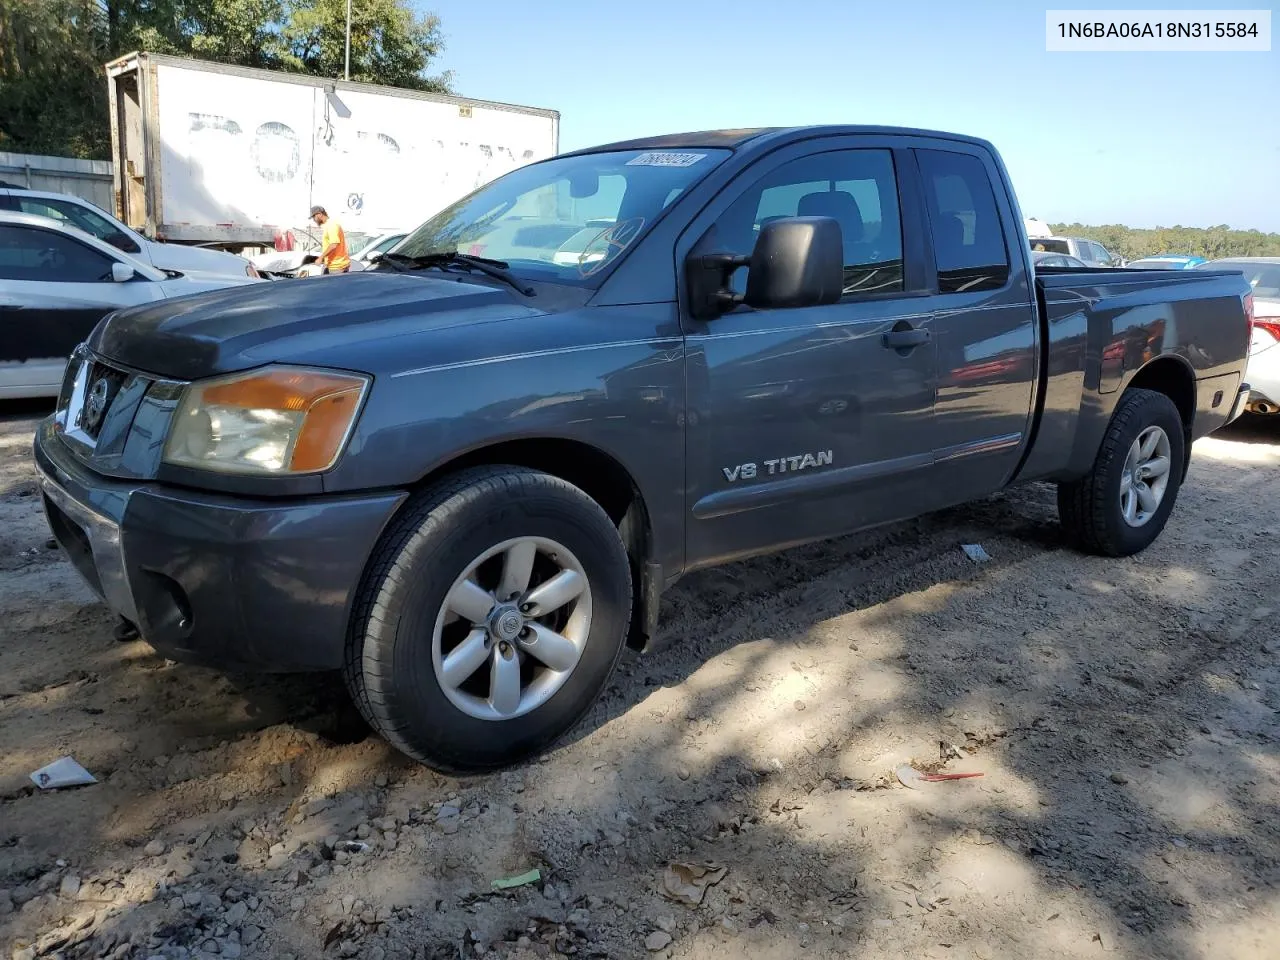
465, 477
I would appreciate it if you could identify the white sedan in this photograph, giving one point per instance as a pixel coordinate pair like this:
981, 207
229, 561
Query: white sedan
80, 213
56, 283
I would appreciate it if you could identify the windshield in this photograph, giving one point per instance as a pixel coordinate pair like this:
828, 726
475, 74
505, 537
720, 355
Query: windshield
566, 219
1263, 277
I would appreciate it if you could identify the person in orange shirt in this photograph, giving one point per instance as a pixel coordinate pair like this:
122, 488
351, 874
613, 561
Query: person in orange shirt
333, 242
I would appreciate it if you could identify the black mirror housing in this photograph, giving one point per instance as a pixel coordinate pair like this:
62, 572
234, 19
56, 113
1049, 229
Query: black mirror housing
797, 262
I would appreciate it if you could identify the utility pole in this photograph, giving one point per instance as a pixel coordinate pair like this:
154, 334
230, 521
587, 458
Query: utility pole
346, 70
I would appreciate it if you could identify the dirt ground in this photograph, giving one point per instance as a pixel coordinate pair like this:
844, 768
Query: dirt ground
1125, 716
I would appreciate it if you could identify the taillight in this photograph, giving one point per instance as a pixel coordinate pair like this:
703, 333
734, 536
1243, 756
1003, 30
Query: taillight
1248, 311
1269, 324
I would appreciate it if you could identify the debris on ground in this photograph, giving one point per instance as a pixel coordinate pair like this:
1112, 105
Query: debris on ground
688, 882
909, 776
520, 880
64, 772
975, 552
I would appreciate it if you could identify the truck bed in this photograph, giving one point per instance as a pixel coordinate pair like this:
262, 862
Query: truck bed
1100, 326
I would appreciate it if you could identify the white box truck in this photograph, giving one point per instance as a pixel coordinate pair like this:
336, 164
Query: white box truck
234, 156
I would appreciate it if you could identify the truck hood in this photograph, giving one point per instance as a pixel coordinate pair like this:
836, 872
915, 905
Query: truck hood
292, 321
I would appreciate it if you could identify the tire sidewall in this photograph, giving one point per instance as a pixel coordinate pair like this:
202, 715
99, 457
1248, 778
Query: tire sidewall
402, 628
1154, 410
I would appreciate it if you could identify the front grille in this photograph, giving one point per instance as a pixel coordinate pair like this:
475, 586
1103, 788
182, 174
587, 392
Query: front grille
101, 386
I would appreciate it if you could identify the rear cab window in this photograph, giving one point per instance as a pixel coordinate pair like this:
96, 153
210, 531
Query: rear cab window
968, 232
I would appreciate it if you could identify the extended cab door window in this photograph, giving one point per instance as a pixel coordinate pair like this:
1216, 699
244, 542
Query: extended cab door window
856, 188
985, 322
968, 233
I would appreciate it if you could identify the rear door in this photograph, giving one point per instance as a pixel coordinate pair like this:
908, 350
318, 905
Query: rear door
53, 291
985, 320
804, 423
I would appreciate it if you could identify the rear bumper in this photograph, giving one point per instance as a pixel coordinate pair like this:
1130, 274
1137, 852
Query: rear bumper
1242, 402
1264, 376
230, 582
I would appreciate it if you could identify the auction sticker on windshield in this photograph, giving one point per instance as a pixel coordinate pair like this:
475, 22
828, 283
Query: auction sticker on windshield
665, 159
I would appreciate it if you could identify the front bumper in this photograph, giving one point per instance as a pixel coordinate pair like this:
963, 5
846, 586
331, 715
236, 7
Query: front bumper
225, 581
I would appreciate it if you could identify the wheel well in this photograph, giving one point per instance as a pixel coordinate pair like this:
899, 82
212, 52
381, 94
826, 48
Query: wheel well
1173, 379
1176, 381
603, 479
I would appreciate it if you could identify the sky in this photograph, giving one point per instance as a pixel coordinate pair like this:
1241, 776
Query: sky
1144, 139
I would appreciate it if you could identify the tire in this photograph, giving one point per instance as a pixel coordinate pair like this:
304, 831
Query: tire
405, 625
1091, 508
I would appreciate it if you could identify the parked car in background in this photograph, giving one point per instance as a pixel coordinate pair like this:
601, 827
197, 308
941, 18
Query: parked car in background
1091, 252
82, 214
1165, 261
56, 283
466, 475
379, 244
301, 261
1042, 259
1263, 274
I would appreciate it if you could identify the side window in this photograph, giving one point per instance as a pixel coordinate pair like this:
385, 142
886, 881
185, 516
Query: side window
857, 188
28, 253
82, 218
968, 235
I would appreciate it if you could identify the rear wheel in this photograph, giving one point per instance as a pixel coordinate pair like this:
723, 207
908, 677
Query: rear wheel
492, 615
1122, 504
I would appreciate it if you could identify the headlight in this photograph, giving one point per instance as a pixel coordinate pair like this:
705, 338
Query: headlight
273, 421
251, 270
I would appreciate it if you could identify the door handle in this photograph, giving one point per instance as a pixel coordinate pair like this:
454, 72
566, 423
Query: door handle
904, 336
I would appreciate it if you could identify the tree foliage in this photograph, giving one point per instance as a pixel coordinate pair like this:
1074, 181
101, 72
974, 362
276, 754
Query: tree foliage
1208, 242
53, 94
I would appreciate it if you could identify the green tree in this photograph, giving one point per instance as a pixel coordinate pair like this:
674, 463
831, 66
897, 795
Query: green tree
1208, 242
52, 90
389, 43
52, 86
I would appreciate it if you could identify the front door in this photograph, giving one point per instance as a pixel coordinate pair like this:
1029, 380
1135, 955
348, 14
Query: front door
53, 291
806, 423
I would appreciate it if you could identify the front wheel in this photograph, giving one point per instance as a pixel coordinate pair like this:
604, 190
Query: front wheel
1122, 504
493, 614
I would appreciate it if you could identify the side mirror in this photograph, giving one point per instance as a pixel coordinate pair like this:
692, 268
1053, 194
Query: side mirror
122, 272
797, 262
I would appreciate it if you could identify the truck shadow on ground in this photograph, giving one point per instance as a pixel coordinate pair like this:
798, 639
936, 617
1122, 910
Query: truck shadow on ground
1129, 800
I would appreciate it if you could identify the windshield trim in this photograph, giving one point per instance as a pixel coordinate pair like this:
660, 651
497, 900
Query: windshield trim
597, 278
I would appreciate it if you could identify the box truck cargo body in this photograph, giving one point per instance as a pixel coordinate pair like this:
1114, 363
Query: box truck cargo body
209, 153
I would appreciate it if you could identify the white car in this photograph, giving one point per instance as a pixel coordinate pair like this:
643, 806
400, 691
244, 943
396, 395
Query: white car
1092, 253
56, 283
291, 261
1263, 373
92, 220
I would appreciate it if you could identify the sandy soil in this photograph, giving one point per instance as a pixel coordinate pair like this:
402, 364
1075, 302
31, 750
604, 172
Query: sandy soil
1125, 715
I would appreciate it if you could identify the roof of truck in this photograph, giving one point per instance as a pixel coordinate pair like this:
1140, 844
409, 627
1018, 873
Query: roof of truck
735, 138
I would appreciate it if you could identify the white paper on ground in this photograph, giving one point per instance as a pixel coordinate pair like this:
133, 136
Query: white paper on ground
62, 773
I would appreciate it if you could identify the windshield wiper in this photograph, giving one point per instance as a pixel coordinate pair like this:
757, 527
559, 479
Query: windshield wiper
490, 268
